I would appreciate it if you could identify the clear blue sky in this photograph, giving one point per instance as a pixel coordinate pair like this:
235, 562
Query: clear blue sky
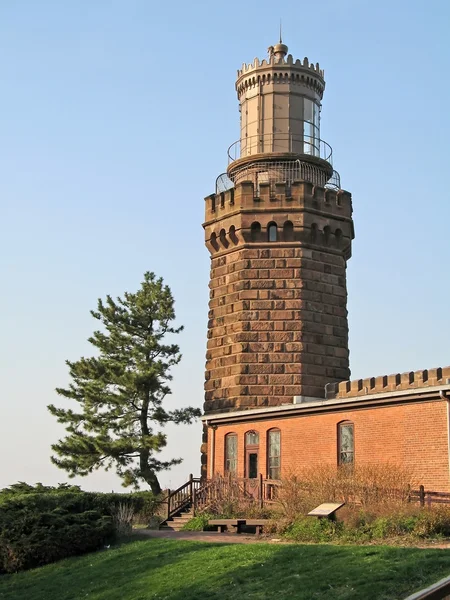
115, 120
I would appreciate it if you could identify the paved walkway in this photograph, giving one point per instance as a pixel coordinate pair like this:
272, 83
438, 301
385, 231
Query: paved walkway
206, 536
242, 538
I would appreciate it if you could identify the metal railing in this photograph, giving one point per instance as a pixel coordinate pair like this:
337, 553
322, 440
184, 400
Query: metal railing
280, 142
273, 172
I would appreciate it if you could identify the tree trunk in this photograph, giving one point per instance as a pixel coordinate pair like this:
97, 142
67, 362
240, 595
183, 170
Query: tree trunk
147, 474
150, 477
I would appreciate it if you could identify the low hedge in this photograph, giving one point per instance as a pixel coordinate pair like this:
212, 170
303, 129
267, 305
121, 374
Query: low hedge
426, 523
31, 539
39, 525
200, 523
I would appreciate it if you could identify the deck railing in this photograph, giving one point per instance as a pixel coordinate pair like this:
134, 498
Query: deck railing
259, 492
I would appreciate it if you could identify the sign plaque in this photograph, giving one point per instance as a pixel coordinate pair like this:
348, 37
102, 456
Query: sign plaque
326, 510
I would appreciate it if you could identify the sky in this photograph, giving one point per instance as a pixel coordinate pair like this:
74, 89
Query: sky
115, 119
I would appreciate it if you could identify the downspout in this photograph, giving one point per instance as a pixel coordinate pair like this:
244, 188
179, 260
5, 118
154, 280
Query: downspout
212, 449
443, 396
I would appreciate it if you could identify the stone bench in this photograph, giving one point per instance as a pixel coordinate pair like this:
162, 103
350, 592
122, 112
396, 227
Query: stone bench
237, 524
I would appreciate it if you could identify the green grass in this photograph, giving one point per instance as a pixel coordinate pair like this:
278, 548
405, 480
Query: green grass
183, 570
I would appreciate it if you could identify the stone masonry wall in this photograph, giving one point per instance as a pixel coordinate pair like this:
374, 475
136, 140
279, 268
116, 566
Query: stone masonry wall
278, 318
277, 326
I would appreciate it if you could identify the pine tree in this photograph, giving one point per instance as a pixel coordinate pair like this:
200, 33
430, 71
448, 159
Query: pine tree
120, 391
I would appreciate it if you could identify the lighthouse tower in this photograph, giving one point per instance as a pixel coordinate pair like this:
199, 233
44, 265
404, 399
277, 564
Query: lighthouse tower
279, 230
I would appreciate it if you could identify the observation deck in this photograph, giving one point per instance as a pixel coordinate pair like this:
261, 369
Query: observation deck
279, 157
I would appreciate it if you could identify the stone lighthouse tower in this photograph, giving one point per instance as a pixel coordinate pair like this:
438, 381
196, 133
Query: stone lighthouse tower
279, 229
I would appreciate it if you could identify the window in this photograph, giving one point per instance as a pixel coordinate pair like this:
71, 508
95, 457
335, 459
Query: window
346, 443
223, 238
231, 453
255, 232
311, 127
252, 438
233, 236
272, 232
288, 231
274, 454
214, 243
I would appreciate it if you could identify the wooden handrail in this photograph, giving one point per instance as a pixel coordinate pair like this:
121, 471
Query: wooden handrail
199, 494
181, 497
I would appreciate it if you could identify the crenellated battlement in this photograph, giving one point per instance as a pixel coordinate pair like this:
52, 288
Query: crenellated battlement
279, 196
389, 383
286, 61
280, 71
303, 214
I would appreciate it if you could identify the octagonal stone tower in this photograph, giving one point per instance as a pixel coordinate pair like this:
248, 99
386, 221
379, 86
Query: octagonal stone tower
279, 230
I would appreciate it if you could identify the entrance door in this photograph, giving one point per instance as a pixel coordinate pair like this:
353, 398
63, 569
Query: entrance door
252, 462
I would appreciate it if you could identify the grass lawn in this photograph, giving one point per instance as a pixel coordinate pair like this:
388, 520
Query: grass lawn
184, 570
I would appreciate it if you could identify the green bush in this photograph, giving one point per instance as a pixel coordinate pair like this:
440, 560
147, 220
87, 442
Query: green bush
41, 524
200, 523
363, 527
31, 538
309, 529
433, 522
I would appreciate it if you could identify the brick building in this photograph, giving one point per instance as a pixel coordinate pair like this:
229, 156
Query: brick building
279, 228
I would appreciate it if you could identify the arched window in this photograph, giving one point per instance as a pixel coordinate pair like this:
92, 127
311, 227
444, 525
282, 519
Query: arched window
251, 454
255, 231
346, 443
314, 232
223, 238
326, 235
338, 237
231, 453
232, 233
252, 438
288, 231
214, 243
274, 454
272, 232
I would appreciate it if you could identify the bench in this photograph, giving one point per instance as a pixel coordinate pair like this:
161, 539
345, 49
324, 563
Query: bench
257, 523
224, 524
237, 524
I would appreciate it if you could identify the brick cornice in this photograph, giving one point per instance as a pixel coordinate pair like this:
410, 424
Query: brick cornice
328, 406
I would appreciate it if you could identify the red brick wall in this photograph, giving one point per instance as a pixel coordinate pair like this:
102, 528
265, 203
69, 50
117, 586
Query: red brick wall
414, 435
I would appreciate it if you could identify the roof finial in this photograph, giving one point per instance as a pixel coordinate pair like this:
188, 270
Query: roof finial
280, 50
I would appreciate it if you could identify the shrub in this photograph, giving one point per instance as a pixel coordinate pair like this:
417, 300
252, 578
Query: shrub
433, 522
40, 524
123, 515
30, 539
365, 485
309, 529
199, 523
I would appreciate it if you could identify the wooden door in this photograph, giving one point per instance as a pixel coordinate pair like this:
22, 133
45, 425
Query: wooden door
252, 462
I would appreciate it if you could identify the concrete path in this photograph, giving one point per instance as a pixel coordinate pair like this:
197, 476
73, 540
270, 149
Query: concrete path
243, 538
205, 536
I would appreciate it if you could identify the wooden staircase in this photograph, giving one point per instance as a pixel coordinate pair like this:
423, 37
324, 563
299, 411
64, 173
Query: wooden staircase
177, 523
195, 495
181, 504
